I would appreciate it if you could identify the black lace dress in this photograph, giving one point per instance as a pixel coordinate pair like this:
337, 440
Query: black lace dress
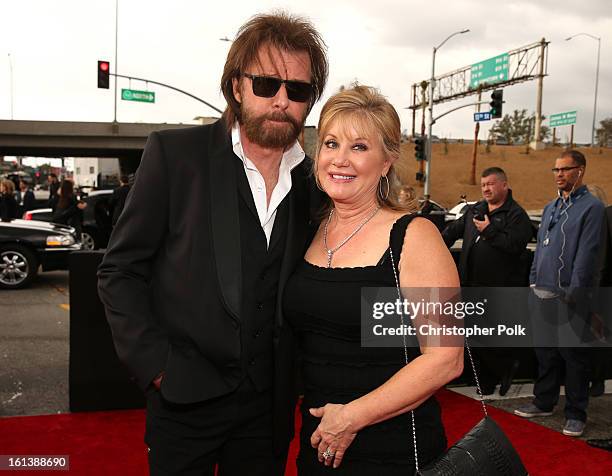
323, 306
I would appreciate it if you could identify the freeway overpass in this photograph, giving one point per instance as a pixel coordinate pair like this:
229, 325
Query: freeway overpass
78, 139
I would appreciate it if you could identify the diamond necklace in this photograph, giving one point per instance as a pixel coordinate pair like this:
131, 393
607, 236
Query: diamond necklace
330, 252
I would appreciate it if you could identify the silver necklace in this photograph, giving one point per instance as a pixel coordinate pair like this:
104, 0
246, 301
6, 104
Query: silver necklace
330, 252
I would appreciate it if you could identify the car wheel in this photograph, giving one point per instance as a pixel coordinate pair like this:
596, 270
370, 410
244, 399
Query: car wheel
88, 241
18, 266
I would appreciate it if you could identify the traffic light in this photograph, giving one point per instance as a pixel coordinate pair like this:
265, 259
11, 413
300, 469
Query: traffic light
497, 101
419, 148
103, 74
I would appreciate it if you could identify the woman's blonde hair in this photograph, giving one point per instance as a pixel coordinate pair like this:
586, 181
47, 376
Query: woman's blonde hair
366, 110
9, 186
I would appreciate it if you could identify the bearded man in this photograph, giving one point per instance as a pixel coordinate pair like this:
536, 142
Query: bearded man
216, 220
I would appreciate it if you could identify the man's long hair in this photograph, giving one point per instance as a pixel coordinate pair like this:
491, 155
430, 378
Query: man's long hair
280, 31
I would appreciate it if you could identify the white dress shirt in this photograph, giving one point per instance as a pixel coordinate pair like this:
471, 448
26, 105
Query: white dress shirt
292, 157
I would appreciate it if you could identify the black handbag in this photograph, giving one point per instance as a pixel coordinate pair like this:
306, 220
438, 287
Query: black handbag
483, 451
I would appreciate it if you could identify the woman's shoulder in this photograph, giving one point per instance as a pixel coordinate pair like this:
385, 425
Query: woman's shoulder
401, 222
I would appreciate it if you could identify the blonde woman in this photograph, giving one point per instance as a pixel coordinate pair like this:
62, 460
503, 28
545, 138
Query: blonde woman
357, 400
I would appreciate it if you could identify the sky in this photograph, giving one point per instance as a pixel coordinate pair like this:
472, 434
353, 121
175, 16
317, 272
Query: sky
52, 48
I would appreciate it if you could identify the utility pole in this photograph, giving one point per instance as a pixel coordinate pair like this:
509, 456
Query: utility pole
596, 85
598, 39
414, 110
475, 148
421, 174
536, 144
432, 85
11, 82
116, 50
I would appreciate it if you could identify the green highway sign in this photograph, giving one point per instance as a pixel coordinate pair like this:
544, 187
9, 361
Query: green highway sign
491, 71
562, 119
135, 95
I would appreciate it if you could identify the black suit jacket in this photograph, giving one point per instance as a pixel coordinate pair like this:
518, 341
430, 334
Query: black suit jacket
171, 276
605, 255
29, 201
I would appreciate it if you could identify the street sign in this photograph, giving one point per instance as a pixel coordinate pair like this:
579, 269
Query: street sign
135, 95
562, 119
491, 71
482, 116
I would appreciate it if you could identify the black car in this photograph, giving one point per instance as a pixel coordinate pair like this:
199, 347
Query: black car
26, 244
97, 219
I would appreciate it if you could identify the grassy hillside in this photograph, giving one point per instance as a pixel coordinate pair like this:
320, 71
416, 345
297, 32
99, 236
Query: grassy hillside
530, 177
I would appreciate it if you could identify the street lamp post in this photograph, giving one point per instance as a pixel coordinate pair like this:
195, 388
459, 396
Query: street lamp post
596, 80
10, 59
431, 118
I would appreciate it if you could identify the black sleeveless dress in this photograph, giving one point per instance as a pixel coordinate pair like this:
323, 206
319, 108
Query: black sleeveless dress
323, 307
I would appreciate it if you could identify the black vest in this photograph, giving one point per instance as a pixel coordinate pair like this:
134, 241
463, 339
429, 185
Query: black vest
261, 267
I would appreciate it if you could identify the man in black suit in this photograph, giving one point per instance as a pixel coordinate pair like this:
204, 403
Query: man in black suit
195, 269
117, 201
602, 356
27, 200
54, 186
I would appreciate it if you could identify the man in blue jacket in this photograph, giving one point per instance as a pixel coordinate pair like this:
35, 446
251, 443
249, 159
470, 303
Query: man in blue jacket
563, 270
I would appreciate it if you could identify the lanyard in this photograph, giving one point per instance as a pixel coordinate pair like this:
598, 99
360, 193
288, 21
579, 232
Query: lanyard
557, 210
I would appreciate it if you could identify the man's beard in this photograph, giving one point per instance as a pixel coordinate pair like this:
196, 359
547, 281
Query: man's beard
278, 136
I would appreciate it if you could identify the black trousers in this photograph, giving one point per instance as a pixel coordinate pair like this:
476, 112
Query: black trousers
551, 364
232, 433
558, 330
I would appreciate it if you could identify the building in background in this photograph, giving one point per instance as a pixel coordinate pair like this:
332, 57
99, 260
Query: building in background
95, 172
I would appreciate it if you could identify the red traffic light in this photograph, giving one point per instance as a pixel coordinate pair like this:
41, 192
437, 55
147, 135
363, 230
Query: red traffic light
103, 74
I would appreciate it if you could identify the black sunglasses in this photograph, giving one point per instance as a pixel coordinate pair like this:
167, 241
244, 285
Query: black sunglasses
268, 86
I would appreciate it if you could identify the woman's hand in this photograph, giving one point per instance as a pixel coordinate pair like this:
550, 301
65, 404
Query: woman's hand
335, 433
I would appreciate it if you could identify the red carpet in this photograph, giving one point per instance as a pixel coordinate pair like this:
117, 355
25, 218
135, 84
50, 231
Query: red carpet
110, 443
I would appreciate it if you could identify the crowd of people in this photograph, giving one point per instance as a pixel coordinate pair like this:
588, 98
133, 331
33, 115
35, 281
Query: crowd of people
63, 200
568, 264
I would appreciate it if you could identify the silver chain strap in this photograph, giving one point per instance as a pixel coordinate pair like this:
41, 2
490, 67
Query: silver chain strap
484, 407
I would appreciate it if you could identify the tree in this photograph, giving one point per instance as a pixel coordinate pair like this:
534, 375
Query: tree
604, 133
517, 128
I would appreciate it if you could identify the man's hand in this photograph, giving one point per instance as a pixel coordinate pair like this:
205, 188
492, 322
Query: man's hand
157, 382
481, 224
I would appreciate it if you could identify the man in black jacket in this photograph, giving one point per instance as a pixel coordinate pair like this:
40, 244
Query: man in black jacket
27, 199
195, 269
54, 186
495, 234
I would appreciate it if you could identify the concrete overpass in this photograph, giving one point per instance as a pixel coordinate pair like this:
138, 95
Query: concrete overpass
78, 139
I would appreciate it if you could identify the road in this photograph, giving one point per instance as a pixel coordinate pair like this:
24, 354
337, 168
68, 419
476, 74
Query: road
34, 332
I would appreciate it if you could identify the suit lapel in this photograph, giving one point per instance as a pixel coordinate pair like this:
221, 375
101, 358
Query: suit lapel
244, 188
225, 223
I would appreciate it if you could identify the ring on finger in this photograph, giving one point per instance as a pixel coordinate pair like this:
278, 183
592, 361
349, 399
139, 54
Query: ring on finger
327, 454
